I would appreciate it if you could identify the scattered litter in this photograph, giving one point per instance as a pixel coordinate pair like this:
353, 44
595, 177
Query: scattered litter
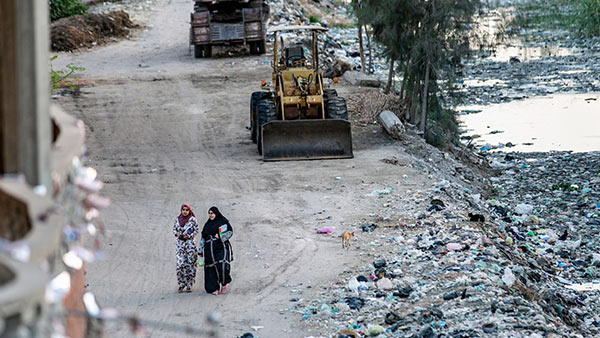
326, 230
379, 192
368, 228
584, 287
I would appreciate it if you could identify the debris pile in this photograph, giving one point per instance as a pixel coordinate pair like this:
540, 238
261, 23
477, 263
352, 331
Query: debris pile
447, 262
88, 30
340, 45
488, 81
366, 107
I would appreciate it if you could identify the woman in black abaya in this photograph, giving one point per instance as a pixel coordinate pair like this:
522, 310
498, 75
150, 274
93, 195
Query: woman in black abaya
216, 249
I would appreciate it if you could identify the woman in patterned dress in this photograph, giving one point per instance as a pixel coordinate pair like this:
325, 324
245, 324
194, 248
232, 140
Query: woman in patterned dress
185, 230
217, 252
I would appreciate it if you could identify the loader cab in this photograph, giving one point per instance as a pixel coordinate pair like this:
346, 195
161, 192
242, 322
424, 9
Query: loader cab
294, 56
297, 118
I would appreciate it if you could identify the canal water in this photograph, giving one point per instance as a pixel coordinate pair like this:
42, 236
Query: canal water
562, 122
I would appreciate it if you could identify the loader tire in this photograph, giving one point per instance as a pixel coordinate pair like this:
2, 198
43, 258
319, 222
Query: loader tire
254, 99
265, 112
336, 108
329, 93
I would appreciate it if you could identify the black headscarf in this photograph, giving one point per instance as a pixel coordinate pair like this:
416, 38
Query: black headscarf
211, 227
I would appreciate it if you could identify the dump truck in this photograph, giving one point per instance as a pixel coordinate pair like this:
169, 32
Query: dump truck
295, 117
227, 23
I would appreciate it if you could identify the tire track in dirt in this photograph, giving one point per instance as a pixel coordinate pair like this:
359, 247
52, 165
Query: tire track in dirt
183, 142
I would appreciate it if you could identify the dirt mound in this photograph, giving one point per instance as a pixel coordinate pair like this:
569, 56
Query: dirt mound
88, 30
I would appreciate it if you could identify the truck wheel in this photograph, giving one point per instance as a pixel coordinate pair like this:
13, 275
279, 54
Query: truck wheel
336, 108
207, 51
198, 51
253, 47
254, 99
265, 112
262, 47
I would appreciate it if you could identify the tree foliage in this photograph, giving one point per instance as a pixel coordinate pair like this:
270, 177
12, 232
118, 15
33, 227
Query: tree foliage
589, 14
426, 38
64, 8
580, 16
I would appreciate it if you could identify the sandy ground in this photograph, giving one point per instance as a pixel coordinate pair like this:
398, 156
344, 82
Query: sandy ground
165, 128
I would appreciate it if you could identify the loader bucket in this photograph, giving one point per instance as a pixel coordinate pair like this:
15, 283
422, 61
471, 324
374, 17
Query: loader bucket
306, 139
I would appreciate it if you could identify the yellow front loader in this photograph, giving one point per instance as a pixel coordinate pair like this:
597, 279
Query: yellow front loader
295, 117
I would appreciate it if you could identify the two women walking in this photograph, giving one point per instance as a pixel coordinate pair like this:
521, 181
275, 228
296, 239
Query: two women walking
214, 246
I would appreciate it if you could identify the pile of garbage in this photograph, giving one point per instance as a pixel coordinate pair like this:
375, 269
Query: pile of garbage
548, 205
516, 62
139, 11
340, 45
484, 82
449, 263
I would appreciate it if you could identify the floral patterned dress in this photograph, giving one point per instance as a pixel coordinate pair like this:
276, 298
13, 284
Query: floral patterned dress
187, 254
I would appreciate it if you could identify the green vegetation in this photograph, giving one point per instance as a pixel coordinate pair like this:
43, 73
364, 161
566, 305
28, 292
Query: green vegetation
564, 187
343, 26
314, 18
495, 190
579, 16
588, 14
58, 77
64, 8
420, 37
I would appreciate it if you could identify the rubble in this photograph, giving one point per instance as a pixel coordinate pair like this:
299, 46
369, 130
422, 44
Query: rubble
340, 43
441, 274
357, 78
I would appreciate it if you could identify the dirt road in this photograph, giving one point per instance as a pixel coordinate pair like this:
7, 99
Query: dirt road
165, 128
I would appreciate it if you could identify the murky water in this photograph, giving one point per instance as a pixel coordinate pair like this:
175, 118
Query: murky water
558, 122
523, 52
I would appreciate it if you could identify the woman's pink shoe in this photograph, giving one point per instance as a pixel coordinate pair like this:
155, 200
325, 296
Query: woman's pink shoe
215, 293
224, 289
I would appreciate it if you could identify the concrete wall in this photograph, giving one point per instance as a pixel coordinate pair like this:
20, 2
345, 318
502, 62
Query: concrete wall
22, 302
25, 130
8, 90
32, 244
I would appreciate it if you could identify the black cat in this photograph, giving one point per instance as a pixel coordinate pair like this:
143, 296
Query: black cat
476, 218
